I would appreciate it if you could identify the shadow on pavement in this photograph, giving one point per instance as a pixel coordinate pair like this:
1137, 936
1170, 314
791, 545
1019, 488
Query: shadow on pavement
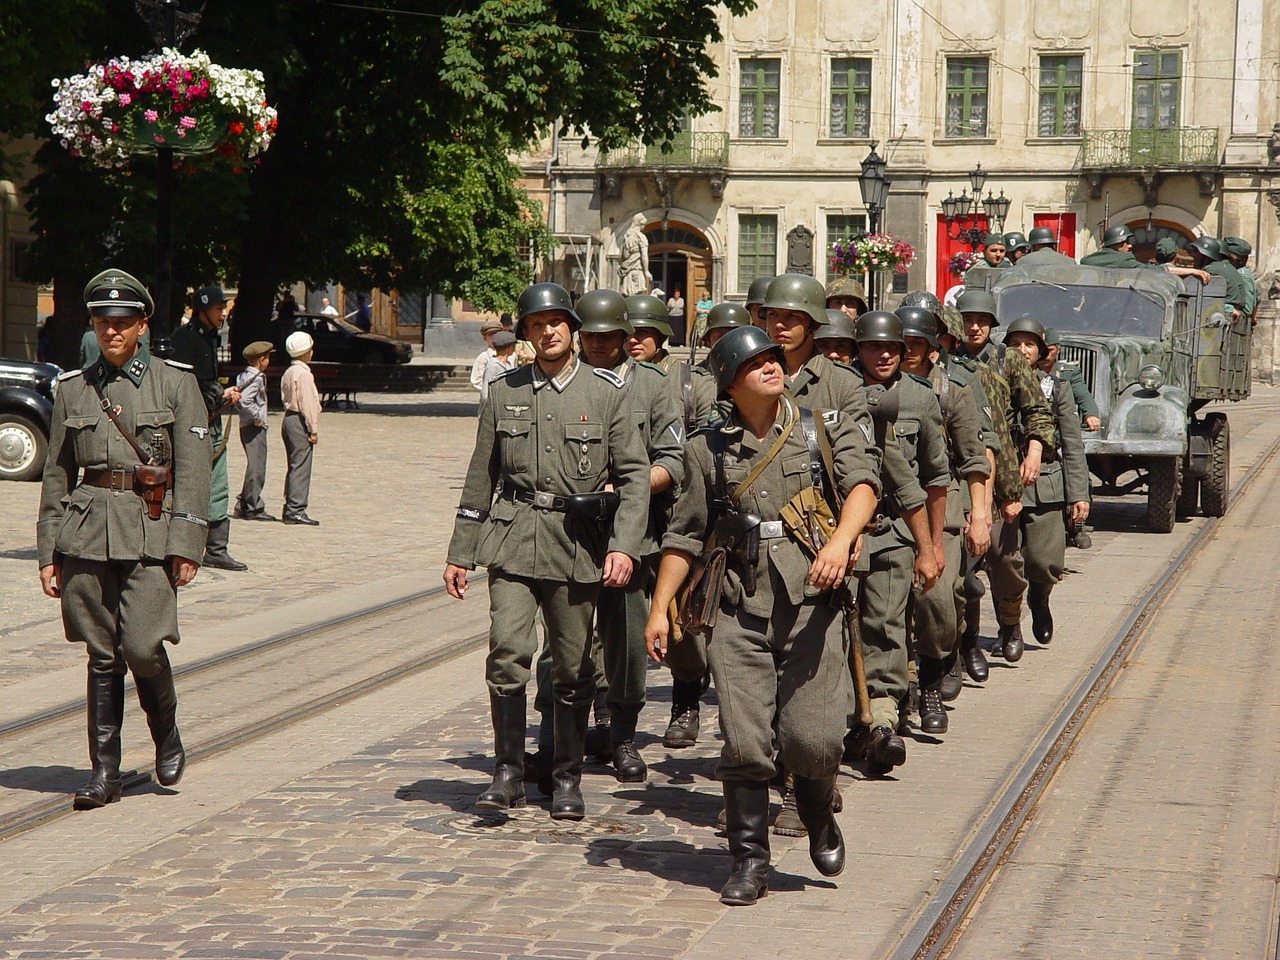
56, 779
699, 867
458, 795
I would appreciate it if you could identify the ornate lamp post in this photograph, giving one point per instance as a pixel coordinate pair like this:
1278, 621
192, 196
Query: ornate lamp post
875, 193
961, 212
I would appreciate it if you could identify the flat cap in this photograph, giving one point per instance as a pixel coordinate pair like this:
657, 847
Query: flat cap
490, 326
114, 293
504, 338
1237, 246
257, 349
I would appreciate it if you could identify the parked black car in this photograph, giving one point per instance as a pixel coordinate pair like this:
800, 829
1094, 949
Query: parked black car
338, 341
26, 410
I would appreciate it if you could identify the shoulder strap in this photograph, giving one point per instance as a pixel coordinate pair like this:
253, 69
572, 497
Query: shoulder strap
767, 458
826, 459
110, 411
686, 396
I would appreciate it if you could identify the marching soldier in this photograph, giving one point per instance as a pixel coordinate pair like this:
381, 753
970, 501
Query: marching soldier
776, 650
555, 434
196, 343
1091, 419
121, 524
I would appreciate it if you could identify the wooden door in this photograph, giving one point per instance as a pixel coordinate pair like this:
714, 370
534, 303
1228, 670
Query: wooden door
698, 276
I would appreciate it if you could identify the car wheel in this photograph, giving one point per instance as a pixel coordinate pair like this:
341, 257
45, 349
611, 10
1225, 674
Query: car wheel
1164, 484
23, 446
1215, 491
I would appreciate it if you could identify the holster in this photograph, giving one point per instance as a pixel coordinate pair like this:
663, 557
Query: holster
150, 481
739, 534
698, 602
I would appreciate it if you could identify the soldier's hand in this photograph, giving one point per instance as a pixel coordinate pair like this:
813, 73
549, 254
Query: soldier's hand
617, 569
184, 570
926, 570
977, 535
856, 552
1009, 511
829, 566
1092, 423
51, 580
656, 632
1080, 511
1030, 469
455, 580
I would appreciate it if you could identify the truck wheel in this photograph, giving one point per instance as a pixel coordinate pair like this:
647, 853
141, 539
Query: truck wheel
1164, 483
1189, 496
22, 448
1216, 488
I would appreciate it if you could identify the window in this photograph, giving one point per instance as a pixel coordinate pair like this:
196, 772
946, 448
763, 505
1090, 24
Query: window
967, 96
851, 97
840, 226
757, 247
1157, 88
759, 98
1060, 79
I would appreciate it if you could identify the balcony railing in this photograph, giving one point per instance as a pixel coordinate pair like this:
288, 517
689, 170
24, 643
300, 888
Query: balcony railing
1195, 147
698, 150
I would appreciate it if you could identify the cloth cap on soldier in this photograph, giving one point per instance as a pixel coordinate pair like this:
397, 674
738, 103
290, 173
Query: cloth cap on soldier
206, 297
993, 240
114, 293
1166, 249
299, 342
258, 349
1237, 246
1051, 338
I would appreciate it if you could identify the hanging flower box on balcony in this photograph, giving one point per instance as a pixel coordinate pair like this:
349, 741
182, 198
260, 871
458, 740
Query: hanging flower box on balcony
864, 252
183, 102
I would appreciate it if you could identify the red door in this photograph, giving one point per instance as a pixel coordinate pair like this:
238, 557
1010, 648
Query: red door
1063, 226
947, 248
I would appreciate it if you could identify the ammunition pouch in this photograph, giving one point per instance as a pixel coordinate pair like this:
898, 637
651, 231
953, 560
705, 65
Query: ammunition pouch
809, 520
698, 602
596, 508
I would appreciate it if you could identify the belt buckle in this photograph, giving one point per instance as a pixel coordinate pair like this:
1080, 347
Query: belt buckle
124, 482
544, 501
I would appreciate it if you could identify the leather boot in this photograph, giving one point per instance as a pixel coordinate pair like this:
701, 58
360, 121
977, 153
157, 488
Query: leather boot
215, 550
571, 734
1011, 641
885, 750
933, 715
628, 765
951, 683
746, 804
1041, 615
684, 727
159, 701
788, 823
106, 716
975, 661
814, 800
599, 743
507, 790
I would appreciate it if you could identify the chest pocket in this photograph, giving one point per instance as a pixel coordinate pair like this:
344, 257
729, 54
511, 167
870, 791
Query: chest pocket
83, 433
513, 436
584, 455
908, 439
155, 428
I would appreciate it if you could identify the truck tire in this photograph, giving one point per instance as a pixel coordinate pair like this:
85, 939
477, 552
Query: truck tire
1164, 484
1215, 490
1189, 496
23, 446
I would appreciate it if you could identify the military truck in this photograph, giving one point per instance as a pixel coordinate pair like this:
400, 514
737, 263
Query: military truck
1155, 350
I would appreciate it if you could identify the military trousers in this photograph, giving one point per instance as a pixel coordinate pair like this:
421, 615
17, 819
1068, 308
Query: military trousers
931, 617
790, 668
567, 608
219, 485
1032, 548
254, 440
122, 610
882, 599
300, 450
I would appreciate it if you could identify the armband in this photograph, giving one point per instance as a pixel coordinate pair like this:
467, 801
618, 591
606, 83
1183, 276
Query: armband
469, 513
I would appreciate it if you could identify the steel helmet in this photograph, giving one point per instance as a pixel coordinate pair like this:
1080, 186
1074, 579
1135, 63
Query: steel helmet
1116, 235
1013, 240
796, 291
759, 287
878, 326
839, 326
976, 301
726, 316
206, 297
847, 287
1208, 246
1042, 235
923, 298
545, 296
952, 322
1028, 325
734, 349
604, 311
919, 322
646, 310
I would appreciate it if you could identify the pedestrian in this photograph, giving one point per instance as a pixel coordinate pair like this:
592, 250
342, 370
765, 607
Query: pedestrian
301, 429
555, 435
777, 648
675, 317
503, 360
363, 314
700, 311
196, 343
487, 331
121, 525
44, 339
252, 409
327, 308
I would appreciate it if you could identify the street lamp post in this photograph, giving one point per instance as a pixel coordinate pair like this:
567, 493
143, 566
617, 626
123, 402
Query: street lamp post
875, 193
961, 212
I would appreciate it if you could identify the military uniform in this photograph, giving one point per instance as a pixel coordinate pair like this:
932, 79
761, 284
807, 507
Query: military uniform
1237, 295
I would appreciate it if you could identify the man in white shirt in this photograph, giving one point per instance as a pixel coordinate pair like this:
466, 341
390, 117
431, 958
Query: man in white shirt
327, 308
487, 330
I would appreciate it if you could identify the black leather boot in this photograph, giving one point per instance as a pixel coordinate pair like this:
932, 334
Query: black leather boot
971, 655
628, 765
683, 729
159, 701
933, 715
788, 823
106, 716
814, 801
1011, 641
1041, 615
571, 734
507, 790
746, 804
951, 683
215, 550
599, 742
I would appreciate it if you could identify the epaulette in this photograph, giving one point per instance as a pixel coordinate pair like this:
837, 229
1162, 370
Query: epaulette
179, 364
68, 374
924, 381
652, 366
503, 375
609, 377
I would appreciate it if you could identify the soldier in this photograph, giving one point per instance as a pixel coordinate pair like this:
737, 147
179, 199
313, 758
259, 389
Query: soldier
1063, 484
1166, 250
1016, 247
993, 254
846, 295
1117, 254
1016, 396
1237, 250
1070, 374
755, 299
1207, 253
932, 622
1043, 249
196, 343
777, 650
648, 316
834, 339
722, 318
121, 522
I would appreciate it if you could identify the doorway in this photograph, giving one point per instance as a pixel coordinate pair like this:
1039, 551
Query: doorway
680, 259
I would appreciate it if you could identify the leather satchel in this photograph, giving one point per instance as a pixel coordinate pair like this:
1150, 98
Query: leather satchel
698, 601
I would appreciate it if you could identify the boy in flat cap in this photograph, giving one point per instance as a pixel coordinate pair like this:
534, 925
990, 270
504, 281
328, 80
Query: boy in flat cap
252, 383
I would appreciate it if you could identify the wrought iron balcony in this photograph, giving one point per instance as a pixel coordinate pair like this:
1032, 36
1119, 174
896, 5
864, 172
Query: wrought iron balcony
689, 151
1174, 148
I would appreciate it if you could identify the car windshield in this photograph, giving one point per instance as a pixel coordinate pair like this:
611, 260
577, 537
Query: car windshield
1111, 311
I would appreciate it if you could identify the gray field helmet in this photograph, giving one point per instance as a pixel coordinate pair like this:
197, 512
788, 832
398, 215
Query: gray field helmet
604, 311
919, 322
1208, 246
545, 296
923, 298
734, 349
646, 310
759, 287
796, 291
976, 301
727, 316
1116, 235
1042, 235
848, 287
878, 326
1013, 240
1028, 325
839, 326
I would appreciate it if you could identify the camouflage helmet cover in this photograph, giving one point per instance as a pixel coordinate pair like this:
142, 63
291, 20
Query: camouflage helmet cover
847, 287
952, 322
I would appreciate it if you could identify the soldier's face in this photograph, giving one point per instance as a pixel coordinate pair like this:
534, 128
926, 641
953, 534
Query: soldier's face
644, 344
1018, 254
1050, 357
918, 356
851, 307
711, 336
118, 337
549, 333
790, 329
760, 376
977, 329
213, 316
1027, 345
994, 254
880, 359
756, 319
602, 349
838, 349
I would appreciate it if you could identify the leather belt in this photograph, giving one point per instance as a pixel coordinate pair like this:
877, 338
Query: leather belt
118, 479
772, 530
543, 501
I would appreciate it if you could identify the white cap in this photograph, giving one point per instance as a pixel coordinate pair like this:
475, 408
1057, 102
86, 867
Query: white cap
298, 343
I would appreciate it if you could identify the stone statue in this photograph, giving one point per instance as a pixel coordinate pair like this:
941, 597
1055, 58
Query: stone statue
634, 259
1273, 293
1273, 145
800, 250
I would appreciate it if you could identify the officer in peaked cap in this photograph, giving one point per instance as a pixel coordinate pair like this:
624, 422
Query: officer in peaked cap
121, 524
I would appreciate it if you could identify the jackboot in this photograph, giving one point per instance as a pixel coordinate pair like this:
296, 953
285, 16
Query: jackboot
106, 717
599, 743
788, 823
951, 683
1041, 615
215, 550
975, 661
826, 843
746, 804
507, 790
159, 701
571, 734
682, 731
933, 715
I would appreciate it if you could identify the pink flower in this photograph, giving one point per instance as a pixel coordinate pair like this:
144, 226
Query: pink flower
158, 138
125, 99
151, 116
187, 122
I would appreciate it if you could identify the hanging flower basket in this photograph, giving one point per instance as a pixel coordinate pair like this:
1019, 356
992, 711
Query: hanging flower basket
183, 102
960, 263
864, 252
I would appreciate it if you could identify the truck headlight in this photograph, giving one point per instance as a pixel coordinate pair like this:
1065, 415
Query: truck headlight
1151, 378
